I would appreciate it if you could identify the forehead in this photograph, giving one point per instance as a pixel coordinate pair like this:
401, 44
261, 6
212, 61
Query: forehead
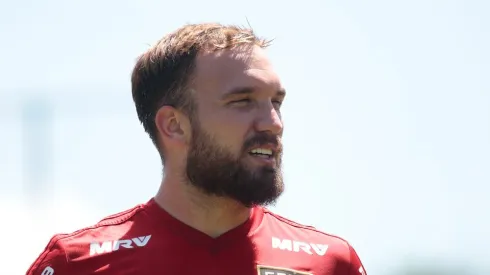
222, 71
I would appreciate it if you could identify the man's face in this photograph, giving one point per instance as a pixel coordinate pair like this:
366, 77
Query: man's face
235, 149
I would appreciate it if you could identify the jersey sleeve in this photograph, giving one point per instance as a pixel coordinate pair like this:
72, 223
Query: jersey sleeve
52, 260
355, 265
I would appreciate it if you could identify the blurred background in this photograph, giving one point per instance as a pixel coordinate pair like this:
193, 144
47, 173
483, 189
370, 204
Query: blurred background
387, 139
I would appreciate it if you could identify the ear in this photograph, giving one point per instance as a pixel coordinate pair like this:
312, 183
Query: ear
172, 125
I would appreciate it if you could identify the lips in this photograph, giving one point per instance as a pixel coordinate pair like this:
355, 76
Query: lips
268, 150
262, 152
263, 147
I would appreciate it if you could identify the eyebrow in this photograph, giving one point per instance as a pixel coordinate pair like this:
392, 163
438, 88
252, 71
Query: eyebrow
249, 90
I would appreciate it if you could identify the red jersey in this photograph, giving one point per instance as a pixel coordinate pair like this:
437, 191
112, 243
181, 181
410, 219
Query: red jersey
147, 240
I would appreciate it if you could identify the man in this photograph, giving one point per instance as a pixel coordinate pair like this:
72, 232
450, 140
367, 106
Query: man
210, 101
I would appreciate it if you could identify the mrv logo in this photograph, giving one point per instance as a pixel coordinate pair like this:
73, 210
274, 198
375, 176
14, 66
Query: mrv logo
269, 270
109, 246
296, 246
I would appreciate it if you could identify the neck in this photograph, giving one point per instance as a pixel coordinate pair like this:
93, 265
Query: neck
211, 215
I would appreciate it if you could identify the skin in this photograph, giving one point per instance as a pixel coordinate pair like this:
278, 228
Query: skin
238, 94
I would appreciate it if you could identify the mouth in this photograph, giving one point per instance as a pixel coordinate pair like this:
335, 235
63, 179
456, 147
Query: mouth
264, 153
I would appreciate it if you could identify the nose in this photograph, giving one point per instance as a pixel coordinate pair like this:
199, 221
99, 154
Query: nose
269, 120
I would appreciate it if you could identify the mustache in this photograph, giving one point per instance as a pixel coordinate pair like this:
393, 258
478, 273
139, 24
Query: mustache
262, 139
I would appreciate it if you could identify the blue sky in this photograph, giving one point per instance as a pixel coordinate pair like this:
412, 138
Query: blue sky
387, 138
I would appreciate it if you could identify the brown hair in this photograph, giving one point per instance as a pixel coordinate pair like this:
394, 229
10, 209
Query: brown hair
162, 74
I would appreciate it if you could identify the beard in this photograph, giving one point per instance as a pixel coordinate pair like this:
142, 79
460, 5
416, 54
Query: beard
216, 171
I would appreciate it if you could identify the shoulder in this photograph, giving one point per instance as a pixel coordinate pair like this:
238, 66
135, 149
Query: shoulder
62, 249
300, 238
309, 232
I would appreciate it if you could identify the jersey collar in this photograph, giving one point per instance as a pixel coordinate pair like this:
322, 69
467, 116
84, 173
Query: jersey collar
167, 223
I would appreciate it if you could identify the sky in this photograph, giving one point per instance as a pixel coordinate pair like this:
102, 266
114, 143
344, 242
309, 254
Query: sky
387, 120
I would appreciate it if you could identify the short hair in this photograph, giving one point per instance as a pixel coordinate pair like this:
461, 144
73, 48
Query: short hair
162, 74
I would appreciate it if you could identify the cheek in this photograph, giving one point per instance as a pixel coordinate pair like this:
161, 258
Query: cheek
231, 137
228, 127
229, 134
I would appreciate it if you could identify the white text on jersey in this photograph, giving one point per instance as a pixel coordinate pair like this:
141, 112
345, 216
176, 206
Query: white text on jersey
296, 246
109, 246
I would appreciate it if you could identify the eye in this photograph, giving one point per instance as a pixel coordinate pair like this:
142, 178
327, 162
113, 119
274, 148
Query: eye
241, 102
